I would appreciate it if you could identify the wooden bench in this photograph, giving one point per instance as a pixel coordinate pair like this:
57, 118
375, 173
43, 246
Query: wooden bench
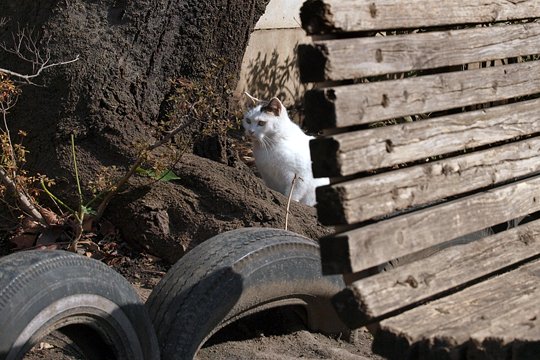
430, 116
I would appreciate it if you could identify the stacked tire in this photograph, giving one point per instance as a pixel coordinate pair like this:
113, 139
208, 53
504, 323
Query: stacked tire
59, 295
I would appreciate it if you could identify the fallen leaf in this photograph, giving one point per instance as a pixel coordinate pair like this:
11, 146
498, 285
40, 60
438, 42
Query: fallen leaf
50, 216
24, 241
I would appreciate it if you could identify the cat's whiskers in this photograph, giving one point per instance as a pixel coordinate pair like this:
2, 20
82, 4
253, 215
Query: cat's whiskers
264, 145
268, 143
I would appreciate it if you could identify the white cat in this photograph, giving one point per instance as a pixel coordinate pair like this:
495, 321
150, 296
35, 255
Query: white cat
281, 151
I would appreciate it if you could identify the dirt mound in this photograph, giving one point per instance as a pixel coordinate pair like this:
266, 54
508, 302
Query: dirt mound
116, 94
209, 198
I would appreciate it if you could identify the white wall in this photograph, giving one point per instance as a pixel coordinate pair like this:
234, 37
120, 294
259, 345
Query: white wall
281, 14
269, 65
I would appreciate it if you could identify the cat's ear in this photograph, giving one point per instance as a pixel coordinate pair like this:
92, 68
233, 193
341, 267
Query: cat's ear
273, 107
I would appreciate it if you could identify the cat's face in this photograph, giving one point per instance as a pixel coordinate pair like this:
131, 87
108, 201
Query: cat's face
261, 122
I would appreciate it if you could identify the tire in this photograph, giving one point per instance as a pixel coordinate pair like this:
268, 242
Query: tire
60, 294
236, 274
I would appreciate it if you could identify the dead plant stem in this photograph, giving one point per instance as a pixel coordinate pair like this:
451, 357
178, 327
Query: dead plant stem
29, 77
140, 159
25, 203
293, 182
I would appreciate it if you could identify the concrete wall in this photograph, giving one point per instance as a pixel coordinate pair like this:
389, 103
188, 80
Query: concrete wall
269, 66
281, 14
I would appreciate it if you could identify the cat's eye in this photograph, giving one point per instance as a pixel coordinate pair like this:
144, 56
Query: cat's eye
248, 121
261, 123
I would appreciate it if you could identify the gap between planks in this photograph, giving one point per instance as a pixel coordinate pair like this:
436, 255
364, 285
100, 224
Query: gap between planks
365, 150
377, 243
501, 310
365, 103
334, 16
456, 265
374, 196
343, 59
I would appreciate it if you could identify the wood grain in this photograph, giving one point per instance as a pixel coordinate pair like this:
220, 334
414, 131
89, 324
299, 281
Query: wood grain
377, 243
341, 59
364, 150
386, 292
504, 305
508, 335
329, 16
365, 198
364, 103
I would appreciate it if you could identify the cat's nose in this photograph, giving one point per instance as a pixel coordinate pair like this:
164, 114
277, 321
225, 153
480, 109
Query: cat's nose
251, 132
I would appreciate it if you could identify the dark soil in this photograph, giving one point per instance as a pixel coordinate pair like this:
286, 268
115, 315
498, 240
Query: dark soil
118, 92
208, 199
115, 96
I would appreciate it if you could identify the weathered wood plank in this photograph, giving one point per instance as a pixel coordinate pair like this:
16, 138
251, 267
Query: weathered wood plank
365, 198
375, 244
408, 284
445, 326
328, 16
506, 336
365, 103
349, 153
368, 56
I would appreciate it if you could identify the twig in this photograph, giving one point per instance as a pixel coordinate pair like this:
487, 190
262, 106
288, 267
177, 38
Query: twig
252, 98
140, 159
107, 199
55, 199
80, 213
24, 201
11, 148
169, 135
154, 272
28, 77
26, 48
293, 182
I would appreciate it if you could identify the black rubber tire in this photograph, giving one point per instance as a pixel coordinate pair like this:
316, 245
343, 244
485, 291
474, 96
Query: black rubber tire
46, 292
236, 274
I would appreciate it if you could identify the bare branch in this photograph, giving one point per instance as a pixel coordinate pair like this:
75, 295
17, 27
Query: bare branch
169, 135
25, 47
103, 205
293, 182
6, 129
28, 77
25, 203
252, 98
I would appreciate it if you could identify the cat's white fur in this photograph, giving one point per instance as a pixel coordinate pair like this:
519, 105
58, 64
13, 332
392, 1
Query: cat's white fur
281, 150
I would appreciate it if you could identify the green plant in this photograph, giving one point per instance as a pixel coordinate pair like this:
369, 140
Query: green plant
26, 188
154, 159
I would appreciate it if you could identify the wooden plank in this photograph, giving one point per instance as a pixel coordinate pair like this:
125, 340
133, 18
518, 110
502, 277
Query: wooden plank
349, 153
377, 243
365, 198
505, 337
365, 103
329, 16
333, 60
411, 283
446, 325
